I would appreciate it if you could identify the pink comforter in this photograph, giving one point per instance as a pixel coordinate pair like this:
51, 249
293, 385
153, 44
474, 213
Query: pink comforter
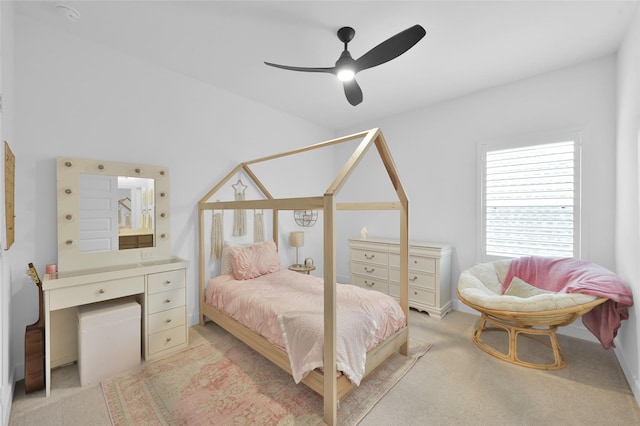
570, 275
257, 304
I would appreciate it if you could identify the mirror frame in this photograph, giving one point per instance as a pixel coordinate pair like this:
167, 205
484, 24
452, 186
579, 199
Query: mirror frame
70, 258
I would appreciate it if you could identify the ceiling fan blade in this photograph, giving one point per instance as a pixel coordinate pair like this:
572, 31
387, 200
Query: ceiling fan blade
353, 92
330, 70
391, 48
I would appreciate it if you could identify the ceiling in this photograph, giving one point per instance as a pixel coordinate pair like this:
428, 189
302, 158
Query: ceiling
469, 46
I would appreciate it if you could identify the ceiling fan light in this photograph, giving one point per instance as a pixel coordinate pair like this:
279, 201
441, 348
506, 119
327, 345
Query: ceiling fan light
346, 75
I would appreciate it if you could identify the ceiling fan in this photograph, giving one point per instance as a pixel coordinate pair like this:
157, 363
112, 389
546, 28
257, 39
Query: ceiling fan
346, 67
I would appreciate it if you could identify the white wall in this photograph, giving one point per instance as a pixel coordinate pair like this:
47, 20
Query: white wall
6, 131
627, 246
436, 148
82, 99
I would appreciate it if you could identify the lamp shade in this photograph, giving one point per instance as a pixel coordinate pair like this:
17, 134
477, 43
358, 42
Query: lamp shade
296, 239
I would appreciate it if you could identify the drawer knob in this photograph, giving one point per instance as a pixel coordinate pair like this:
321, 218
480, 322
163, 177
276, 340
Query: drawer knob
415, 261
167, 282
413, 279
168, 339
168, 320
369, 256
415, 293
101, 291
369, 270
167, 301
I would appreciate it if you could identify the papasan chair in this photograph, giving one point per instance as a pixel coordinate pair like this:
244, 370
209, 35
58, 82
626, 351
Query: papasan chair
533, 296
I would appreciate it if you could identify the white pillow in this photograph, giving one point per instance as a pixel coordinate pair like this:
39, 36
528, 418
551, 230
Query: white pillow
523, 289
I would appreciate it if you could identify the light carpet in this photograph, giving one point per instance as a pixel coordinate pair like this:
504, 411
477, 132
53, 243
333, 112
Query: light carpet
225, 382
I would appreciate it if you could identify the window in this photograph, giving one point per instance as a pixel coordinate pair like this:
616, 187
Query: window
530, 198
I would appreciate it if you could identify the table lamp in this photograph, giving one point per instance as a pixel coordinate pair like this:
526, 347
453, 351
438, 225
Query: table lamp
296, 239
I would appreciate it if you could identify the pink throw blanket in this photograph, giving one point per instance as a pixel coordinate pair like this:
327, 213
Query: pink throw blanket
570, 275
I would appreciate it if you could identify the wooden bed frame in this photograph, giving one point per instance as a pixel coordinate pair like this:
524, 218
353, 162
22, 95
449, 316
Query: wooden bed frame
331, 386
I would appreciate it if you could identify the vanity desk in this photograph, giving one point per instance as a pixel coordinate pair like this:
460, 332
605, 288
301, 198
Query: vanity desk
98, 204
159, 287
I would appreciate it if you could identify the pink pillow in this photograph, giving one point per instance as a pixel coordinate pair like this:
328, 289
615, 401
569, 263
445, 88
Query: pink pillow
253, 261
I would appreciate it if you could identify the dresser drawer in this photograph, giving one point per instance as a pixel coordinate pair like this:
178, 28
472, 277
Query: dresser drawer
416, 263
166, 300
416, 295
372, 257
95, 292
416, 279
371, 283
165, 320
167, 339
368, 270
165, 281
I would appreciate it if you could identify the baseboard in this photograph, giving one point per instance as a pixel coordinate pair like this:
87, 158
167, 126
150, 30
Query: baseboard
634, 382
7, 398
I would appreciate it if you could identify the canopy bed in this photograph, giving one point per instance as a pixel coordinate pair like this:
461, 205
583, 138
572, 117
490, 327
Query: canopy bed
331, 386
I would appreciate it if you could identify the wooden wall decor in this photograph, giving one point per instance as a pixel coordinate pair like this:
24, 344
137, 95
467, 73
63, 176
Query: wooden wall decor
9, 195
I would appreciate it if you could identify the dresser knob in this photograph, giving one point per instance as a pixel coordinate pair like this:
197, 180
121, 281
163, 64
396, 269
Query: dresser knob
167, 282
101, 291
168, 320
167, 301
415, 293
413, 279
168, 339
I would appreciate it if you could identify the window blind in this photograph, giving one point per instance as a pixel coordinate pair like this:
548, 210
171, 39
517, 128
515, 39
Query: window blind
529, 200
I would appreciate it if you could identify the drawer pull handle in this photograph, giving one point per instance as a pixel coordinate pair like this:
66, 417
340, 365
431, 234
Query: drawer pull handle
369, 285
168, 339
413, 279
168, 320
101, 291
167, 301
369, 270
167, 282
369, 257
415, 293
415, 261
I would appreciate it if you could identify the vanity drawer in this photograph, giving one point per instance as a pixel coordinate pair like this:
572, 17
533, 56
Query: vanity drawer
416, 279
164, 281
167, 300
371, 283
374, 271
95, 292
165, 320
167, 339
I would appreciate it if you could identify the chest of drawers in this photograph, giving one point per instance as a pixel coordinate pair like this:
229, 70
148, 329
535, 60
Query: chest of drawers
375, 264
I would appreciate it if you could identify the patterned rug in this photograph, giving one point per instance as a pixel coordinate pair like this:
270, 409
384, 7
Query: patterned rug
226, 383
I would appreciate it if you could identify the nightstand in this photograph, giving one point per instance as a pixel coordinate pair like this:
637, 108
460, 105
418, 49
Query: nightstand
302, 268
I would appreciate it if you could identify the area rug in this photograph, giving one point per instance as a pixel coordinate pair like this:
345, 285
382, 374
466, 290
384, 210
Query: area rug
224, 382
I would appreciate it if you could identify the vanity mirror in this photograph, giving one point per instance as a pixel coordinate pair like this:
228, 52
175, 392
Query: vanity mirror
111, 213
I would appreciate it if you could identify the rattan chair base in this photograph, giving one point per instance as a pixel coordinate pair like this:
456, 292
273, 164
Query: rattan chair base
513, 331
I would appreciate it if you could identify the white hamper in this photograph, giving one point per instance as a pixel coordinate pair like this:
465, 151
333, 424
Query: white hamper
108, 340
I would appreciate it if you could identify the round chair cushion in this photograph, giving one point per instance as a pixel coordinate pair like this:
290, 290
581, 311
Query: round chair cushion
482, 285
